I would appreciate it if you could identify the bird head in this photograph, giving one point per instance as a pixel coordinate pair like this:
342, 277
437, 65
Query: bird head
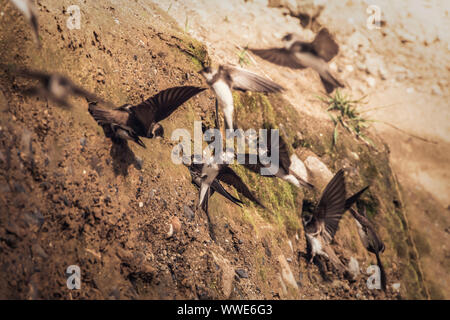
307, 212
207, 73
306, 218
158, 130
287, 37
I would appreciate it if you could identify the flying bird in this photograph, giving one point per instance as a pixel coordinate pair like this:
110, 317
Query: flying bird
211, 171
298, 54
28, 8
284, 164
227, 78
223, 173
367, 234
55, 87
130, 122
196, 171
321, 226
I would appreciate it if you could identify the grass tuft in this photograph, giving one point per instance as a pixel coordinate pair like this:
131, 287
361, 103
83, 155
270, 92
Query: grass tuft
344, 111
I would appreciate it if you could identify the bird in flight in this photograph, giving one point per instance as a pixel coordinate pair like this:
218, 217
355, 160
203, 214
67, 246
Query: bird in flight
226, 78
298, 54
55, 87
368, 234
196, 170
321, 226
130, 122
211, 172
284, 164
28, 8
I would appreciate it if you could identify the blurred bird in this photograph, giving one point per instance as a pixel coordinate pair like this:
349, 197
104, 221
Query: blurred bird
321, 226
130, 122
222, 172
55, 87
211, 171
298, 54
29, 10
227, 78
367, 234
196, 171
284, 164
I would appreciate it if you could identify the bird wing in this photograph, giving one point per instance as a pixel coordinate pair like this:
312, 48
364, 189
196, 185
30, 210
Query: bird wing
163, 104
350, 201
108, 116
374, 242
324, 45
33, 74
83, 92
332, 204
216, 186
310, 60
113, 120
228, 176
245, 80
280, 56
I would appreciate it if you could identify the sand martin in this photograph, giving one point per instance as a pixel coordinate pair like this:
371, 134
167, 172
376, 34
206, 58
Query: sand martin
55, 87
298, 54
196, 171
28, 8
367, 234
227, 78
284, 164
130, 122
212, 172
321, 226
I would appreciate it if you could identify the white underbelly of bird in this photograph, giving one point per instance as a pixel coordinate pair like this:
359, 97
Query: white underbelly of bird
316, 246
225, 100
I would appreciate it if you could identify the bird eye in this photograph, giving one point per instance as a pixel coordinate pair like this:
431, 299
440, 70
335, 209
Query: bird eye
288, 37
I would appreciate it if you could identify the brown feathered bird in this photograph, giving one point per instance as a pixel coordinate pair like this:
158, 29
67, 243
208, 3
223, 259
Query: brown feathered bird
284, 162
55, 87
321, 226
227, 78
368, 234
196, 174
28, 8
130, 122
298, 54
210, 173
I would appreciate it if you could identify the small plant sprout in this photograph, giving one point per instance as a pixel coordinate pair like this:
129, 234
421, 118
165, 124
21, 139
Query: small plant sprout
243, 57
186, 25
344, 111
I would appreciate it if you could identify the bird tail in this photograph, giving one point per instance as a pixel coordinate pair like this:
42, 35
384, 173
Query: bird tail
350, 201
35, 26
204, 205
382, 273
139, 142
337, 263
331, 82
